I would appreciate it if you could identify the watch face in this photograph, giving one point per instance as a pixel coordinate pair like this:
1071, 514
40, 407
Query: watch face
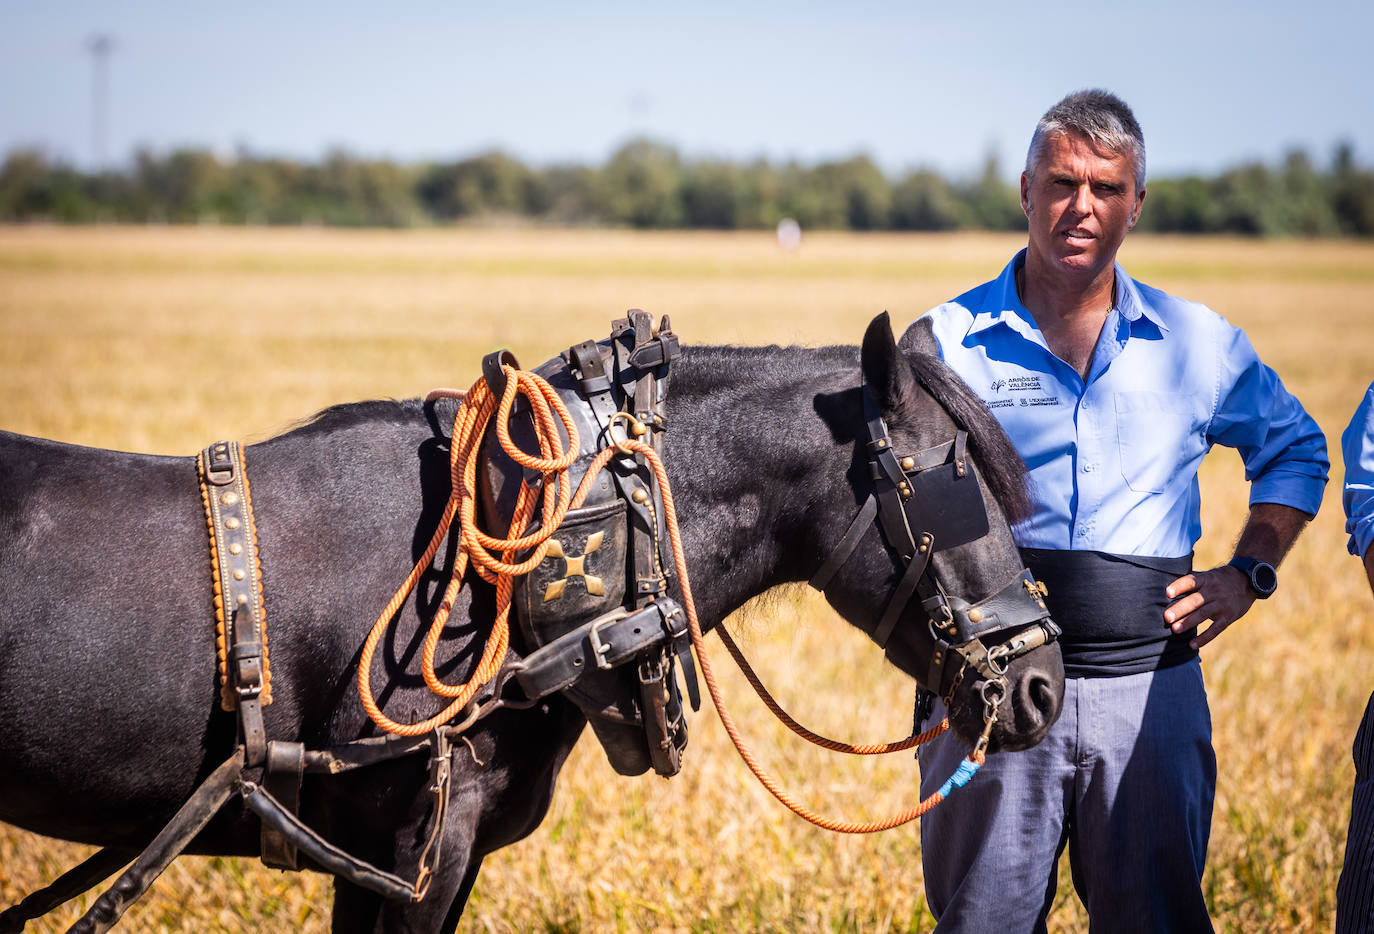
1264, 578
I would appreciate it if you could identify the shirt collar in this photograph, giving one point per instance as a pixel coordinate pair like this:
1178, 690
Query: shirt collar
1002, 305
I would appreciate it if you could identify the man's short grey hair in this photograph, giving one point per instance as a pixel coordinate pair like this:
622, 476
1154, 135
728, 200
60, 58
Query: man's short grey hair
1100, 116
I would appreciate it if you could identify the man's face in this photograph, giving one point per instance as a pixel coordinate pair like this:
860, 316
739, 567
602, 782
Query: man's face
1079, 205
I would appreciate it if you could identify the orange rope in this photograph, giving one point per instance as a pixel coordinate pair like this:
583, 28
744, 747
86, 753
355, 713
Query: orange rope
836, 745
493, 557
699, 643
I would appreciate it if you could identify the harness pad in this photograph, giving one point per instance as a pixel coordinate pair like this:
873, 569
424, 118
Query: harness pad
604, 560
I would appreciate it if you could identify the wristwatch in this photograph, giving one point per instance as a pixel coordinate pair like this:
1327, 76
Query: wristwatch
1264, 580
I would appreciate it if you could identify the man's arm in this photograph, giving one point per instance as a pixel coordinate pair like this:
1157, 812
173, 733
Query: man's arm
1369, 566
1223, 594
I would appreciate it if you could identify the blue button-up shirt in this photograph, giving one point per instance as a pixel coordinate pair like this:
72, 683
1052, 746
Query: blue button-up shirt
1357, 446
1113, 461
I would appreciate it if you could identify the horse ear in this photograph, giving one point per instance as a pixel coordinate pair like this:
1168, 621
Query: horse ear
920, 338
885, 369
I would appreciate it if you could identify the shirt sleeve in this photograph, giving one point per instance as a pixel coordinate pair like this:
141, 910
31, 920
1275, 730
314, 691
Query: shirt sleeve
1283, 448
1357, 448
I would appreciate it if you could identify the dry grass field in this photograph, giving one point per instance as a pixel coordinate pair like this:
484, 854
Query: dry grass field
107, 337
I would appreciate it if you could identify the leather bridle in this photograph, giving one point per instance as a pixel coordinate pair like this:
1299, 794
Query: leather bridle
927, 502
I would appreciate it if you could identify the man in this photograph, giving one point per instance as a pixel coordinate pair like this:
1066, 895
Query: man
1355, 892
1112, 391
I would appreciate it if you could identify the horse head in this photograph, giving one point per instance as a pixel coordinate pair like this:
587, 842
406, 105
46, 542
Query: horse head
928, 566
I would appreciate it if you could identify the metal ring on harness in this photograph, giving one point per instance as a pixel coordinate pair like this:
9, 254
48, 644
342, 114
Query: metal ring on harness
634, 429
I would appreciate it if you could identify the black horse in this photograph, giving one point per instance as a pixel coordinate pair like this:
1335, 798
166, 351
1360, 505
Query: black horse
108, 684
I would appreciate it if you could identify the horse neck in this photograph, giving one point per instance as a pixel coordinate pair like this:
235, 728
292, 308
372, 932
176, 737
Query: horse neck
745, 451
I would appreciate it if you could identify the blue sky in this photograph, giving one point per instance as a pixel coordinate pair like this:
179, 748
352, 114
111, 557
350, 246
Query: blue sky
913, 84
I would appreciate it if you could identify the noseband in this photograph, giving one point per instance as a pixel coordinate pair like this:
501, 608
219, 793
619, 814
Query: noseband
937, 491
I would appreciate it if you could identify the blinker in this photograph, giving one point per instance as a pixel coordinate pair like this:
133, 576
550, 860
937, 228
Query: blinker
947, 504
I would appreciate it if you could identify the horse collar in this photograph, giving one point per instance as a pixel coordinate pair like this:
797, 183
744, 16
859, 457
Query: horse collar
598, 623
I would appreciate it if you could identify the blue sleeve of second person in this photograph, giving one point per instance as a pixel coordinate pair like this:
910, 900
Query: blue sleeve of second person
1357, 447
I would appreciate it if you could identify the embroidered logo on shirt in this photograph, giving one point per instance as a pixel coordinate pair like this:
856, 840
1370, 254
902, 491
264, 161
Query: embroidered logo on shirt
1020, 384
1024, 384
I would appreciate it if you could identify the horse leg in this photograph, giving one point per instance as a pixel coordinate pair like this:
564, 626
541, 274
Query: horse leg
356, 909
460, 900
360, 911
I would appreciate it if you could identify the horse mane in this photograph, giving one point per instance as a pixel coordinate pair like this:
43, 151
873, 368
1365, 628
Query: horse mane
346, 415
1002, 468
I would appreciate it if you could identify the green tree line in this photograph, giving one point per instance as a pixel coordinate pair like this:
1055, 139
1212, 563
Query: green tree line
647, 184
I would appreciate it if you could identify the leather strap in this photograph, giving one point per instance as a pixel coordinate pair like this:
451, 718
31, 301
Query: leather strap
911, 579
1017, 602
189, 820
282, 777
324, 854
241, 623
601, 644
852, 536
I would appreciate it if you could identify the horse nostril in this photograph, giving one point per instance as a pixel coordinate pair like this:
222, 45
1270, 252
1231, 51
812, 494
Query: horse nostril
1042, 698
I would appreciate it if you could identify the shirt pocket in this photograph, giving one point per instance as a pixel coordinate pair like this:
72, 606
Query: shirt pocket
1154, 432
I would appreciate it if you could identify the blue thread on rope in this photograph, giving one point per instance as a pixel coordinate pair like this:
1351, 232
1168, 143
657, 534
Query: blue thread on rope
960, 777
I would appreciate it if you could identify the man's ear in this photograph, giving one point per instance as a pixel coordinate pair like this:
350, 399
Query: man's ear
885, 370
1139, 203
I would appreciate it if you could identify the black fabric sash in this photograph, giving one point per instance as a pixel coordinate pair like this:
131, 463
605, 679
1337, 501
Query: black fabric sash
1111, 608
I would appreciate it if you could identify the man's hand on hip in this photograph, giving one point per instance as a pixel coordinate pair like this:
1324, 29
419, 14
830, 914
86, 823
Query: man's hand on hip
1222, 595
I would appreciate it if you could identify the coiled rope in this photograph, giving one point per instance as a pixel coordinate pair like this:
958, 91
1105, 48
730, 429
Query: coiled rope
493, 557
494, 562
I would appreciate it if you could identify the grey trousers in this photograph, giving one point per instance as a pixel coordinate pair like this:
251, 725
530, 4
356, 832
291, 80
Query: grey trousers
1125, 779
1355, 891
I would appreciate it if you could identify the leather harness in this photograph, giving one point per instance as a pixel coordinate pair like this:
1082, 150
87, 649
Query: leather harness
595, 614
937, 491
241, 634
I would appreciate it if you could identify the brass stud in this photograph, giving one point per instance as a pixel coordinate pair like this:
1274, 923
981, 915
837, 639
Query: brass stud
975, 615
908, 463
230, 499
232, 522
236, 549
239, 574
882, 443
637, 429
923, 549
640, 496
242, 599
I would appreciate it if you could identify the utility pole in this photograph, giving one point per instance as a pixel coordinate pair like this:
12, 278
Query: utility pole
100, 46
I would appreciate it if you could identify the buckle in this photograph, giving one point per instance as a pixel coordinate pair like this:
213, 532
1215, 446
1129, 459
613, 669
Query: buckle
247, 657
601, 649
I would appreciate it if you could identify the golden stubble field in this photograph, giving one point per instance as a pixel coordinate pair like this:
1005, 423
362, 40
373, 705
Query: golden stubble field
127, 338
